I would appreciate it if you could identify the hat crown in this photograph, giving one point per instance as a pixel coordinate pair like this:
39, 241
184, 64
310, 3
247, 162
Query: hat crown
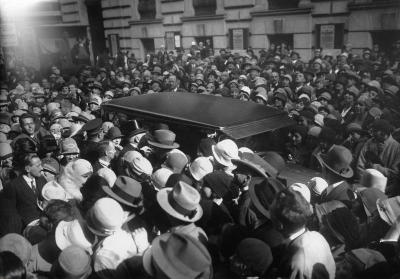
227, 149
106, 216
200, 167
186, 196
142, 165
339, 159
164, 136
129, 186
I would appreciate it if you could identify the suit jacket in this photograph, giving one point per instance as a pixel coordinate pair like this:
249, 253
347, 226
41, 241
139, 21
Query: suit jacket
22, 197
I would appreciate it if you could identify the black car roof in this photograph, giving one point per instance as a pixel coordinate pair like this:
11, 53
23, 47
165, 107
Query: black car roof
235, 118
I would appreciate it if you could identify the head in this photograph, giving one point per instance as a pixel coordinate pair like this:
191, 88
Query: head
27, 123
290, 211
33, 166
107, 150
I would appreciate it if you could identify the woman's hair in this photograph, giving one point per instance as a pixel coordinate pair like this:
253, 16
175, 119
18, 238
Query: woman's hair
11, 267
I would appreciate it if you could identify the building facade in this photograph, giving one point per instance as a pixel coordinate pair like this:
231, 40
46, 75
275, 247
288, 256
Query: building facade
142, 26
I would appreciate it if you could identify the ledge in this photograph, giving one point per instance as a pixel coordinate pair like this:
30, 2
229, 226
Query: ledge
116, 17
166, 1
115, 7
282, 12
373, 5
173, 24
202, 17
145, 21
244, 6
238, 20
331, 15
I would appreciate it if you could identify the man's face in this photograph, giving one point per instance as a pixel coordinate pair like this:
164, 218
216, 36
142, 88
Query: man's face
94, 107
111, 151
275, 77
172, 81
300, 78
379, 136
35, 168
28, 124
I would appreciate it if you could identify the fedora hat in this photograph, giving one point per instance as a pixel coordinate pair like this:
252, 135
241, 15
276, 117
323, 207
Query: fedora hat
200, 167
181, 202
164, 139
224, 151
176, 161
338, 161
262, 193
105, 217
126, 190
138, 163
72, 233
114, 133
178, 256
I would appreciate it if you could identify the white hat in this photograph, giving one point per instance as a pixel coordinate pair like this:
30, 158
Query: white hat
71, 233
317, 185
53, 191
200, 167
193, 43
109, 175
105, 217
372, 178
160, 177
224, 151
138, 163
305, 96
303, 190
81, 167
95, 100
319, 119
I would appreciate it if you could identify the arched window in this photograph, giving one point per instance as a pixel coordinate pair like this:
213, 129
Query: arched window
204, 7
282, 4
147, 9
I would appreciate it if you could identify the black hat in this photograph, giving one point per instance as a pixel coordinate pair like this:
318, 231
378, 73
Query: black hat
92, 126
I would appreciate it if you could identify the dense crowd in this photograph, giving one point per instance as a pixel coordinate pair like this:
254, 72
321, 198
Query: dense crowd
86, 195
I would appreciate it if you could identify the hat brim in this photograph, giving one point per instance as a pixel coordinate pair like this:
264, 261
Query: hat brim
110, 192
254, 198
219, 159
253, 167
382, 212
163, 146
79, 118
61, 235
146, 260
162, 199
348, 174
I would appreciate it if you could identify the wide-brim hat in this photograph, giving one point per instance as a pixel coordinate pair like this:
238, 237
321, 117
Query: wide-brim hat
114, 133
224, 151
262, 191
126, 190
179, 256
71, 233
246, 165
341, 157
175, 202
164, 139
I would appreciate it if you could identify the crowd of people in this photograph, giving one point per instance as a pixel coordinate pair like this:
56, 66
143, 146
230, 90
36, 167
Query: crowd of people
83, 195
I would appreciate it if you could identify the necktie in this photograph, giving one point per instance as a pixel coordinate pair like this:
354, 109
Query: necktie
33, 187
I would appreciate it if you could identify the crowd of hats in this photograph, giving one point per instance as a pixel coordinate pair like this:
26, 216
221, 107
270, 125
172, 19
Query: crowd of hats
225, 211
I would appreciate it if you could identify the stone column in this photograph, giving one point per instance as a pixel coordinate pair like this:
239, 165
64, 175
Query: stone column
220, 7
134, 9
189, 10
158, 8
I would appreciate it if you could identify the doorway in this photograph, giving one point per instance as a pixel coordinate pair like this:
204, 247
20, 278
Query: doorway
95, 17
385, 39
148, 46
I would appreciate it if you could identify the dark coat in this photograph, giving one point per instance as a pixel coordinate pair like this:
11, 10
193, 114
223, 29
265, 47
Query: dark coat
22, 197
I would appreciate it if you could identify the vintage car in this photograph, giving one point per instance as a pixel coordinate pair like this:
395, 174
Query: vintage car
193, 116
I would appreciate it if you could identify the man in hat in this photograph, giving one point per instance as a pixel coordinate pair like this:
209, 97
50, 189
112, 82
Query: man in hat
29, 131
382, 153
254, 73
182, 205
94, 133
337, 168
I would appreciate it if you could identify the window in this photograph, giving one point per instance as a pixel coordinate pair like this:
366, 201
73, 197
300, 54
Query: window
239, 38
330, 36
147, 9
282, 4
204, 7
172, 40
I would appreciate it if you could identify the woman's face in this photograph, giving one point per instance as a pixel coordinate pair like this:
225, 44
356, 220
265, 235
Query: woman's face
117, 141
295, 138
